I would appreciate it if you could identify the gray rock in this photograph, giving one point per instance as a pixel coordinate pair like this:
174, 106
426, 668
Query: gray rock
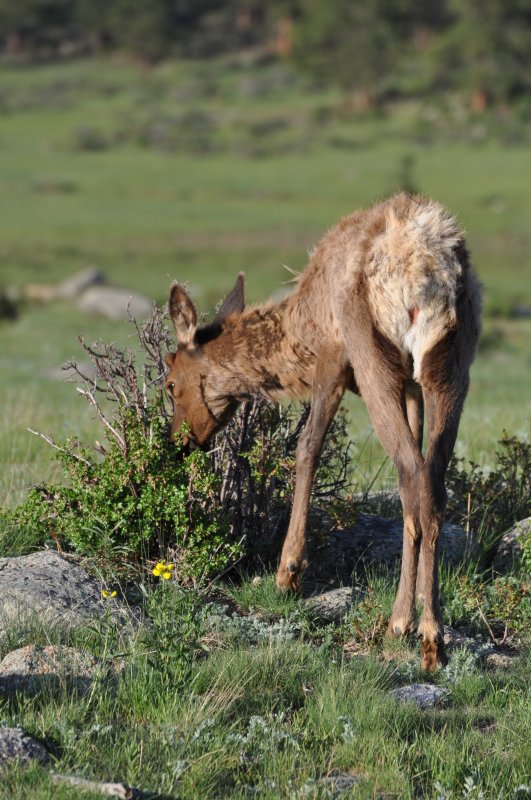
76, 284
46, 585
341, 783
114, 303
332, 605
509, 550
457, 640
374, 540
424, 695
454, 638
496, 660
32, 669
15, 745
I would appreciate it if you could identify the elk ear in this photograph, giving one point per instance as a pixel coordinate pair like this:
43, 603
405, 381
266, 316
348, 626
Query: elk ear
234, 302
183, 314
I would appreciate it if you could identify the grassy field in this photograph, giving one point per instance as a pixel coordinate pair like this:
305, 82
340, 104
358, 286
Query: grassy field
198, 171
274, 708
195, 172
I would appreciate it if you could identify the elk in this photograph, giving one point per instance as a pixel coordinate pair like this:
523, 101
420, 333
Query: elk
389, 308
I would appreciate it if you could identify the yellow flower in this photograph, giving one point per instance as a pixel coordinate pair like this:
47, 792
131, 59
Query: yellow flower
163, 568
107, 594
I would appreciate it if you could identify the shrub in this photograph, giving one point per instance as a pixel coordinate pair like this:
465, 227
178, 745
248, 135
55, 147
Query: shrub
500, 608
487, 503
136, 496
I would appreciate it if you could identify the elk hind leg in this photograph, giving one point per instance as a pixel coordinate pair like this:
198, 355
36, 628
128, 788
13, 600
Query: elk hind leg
403, 617
444, 405
380, 377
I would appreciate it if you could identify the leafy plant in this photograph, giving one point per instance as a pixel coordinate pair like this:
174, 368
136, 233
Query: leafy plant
502, 607
175, 616
487, 503
136, 496
368, 621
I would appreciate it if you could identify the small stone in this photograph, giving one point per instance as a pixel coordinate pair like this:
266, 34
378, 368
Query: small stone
423, 695
331, 606
15, 745
498, 660
341, 783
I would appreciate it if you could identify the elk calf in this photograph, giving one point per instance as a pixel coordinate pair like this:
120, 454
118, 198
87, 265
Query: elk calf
387, 307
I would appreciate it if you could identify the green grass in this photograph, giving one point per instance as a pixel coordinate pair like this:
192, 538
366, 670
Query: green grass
317, 713
253, 202
146, 216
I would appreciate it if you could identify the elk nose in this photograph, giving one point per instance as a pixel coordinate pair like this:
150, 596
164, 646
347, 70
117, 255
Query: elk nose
189, 444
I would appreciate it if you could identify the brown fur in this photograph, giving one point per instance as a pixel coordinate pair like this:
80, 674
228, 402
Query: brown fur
388, 307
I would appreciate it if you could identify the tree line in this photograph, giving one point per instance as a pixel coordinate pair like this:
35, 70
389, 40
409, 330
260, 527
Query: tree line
373, 49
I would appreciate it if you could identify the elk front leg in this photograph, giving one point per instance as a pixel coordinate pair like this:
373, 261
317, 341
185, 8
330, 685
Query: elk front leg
330, 381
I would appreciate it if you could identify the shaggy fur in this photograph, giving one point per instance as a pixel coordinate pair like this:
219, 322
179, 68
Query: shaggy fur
388, 307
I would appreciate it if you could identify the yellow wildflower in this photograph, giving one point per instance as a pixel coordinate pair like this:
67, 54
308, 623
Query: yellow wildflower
163, 569
107, 594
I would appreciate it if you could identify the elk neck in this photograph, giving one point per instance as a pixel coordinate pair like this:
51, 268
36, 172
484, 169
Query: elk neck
265, 351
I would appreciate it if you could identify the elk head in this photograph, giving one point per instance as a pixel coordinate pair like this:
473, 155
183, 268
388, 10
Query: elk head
190, 382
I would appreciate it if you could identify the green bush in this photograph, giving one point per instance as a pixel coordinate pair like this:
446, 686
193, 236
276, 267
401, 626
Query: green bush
136, 497
138, 501
489, 502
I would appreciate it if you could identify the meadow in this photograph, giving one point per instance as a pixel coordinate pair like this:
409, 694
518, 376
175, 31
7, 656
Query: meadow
195, 171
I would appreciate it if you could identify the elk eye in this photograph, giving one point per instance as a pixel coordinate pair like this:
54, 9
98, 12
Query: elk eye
170, 387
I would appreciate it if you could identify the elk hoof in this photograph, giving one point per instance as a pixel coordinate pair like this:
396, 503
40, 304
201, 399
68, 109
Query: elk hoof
400, 627
289, 577
433, 654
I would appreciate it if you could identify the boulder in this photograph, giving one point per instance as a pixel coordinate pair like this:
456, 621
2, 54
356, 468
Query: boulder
55, 589
32, 669
113, 302
374, 540
76, 284
17, 746
510, 547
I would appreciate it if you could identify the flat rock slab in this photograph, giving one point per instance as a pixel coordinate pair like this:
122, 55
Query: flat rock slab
46, 585
79, 282
114, 303
332, 605
17, 746
423, 695
374, 540
32, 669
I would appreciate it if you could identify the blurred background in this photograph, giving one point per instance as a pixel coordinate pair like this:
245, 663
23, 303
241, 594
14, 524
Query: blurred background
146, 141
